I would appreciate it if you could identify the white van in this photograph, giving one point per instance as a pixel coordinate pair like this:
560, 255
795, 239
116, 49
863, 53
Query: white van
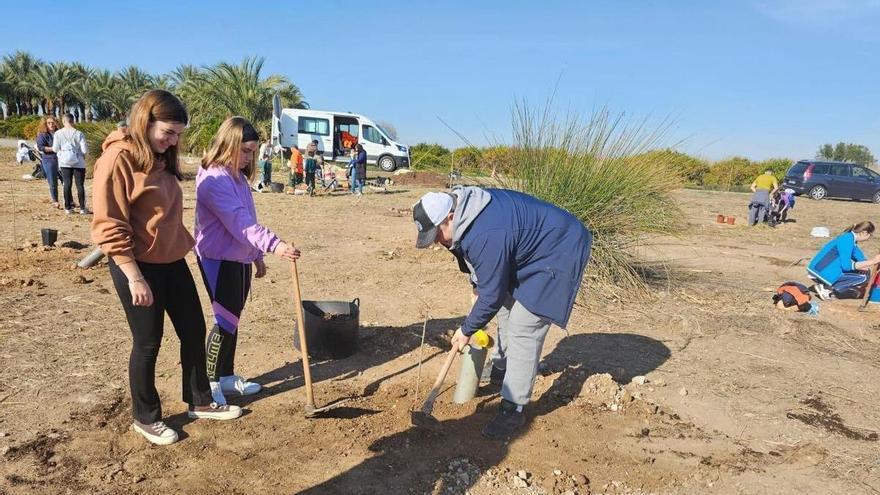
336, 133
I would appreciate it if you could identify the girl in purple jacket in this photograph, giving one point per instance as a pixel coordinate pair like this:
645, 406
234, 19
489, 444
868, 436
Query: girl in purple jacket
228, 241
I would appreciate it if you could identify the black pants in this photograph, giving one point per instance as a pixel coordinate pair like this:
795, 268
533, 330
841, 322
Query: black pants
68, 175
174, 291
228, 284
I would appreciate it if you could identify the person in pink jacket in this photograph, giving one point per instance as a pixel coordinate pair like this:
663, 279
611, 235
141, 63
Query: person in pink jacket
228, 241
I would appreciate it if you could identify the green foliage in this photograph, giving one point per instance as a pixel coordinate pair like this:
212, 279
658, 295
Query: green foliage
738, 173
467, 160
599, 171
689, 168
426, 156
18, 127
846, 152
96, 133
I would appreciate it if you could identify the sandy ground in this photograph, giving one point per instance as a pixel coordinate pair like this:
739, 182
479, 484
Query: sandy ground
739, 397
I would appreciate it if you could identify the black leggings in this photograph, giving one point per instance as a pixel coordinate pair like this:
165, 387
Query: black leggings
228, 284
68, 175
174, 291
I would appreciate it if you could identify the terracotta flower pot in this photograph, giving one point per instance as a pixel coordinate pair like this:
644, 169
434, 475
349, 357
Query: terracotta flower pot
719, 219
731, 220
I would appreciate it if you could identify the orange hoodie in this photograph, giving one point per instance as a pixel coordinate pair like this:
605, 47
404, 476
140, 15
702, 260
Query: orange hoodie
137, 216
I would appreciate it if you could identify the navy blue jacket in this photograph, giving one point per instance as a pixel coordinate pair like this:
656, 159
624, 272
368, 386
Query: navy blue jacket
527, 248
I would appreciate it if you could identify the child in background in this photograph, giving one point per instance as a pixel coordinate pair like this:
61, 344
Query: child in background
296, 168
311, 163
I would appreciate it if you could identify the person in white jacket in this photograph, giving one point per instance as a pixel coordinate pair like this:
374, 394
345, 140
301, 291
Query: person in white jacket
69, 144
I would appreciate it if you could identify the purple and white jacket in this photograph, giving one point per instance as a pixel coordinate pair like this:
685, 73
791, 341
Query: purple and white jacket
226, 219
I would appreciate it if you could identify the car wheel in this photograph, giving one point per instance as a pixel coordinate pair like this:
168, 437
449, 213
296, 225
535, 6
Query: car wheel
876, 197
387, 163
818, 192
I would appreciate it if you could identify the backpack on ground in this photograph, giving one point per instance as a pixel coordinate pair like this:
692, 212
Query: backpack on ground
793, 294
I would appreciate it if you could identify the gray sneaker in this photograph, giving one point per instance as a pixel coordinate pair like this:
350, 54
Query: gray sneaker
158, 433
214, 411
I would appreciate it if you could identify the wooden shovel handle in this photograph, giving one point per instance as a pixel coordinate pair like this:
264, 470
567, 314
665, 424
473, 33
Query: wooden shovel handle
435, 391
301, 330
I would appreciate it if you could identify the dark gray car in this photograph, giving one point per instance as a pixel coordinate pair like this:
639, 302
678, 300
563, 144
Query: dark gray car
822, 179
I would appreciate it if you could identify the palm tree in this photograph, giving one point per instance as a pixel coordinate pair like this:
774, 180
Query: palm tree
103, 79
135, 80
119, 96
163, 81
53, 83
91, 93
239, 90
18, 68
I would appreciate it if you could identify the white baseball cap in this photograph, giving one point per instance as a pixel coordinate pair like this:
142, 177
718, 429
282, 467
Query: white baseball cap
428, 213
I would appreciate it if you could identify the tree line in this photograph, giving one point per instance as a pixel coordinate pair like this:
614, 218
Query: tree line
30, 86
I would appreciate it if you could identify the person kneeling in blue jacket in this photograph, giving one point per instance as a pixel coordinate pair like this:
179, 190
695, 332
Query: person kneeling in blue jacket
526, 259
840, 264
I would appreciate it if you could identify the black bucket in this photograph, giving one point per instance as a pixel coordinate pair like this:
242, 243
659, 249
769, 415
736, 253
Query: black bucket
49, 236
331, 328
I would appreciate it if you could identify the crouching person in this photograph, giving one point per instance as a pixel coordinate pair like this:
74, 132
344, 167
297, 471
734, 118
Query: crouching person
839, 267
228, 241
526, 259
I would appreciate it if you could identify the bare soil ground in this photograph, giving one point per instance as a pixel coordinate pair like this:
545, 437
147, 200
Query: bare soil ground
739, 397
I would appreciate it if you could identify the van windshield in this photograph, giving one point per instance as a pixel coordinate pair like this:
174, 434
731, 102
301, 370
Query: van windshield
386, 133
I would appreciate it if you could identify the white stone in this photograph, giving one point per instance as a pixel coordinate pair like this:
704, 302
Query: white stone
682, 391
640, 380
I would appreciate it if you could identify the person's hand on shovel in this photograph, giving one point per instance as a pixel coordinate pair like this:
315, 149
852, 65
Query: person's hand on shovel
286, 251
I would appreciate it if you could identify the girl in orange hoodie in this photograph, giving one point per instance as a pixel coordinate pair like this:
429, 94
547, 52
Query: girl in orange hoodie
138, 222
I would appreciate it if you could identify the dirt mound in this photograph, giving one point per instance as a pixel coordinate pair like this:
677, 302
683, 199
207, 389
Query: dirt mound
423, 179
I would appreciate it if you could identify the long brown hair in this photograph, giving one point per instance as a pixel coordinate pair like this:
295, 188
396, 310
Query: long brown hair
858, 228
43, 126
225, 150
156, 105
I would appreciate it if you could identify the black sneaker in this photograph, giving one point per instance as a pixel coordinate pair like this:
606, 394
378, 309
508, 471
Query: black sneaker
505, 423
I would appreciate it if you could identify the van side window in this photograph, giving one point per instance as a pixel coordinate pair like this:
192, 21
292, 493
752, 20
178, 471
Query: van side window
372, 135
840, 170
312, 125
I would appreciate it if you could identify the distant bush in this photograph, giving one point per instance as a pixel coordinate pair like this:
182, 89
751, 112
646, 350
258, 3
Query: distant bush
426, 156
24, 127
690, 169
738, 173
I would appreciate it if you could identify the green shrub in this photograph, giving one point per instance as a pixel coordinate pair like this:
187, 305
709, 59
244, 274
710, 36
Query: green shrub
96, 133
24, 127
599, 171
689, 168
426, 156
467, 159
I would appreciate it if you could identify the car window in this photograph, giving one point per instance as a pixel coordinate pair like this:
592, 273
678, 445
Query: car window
821, 169
860, 172
797, 168
311, 125
372, 135
840, 170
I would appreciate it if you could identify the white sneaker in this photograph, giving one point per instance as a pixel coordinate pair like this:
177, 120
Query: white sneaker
158, 433
236, 384
214, 411
823, 292
217, 393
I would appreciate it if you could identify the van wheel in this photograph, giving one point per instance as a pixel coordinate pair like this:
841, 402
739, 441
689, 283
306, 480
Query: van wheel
876, 197
818, 192
387, 163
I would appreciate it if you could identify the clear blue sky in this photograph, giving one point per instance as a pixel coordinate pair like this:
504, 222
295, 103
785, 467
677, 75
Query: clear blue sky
757, 78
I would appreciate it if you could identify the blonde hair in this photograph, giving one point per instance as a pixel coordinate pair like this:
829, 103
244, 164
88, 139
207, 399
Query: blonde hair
225, 150
156, 105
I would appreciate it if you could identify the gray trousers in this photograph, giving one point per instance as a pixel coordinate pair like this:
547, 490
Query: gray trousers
759, 206
520, 340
